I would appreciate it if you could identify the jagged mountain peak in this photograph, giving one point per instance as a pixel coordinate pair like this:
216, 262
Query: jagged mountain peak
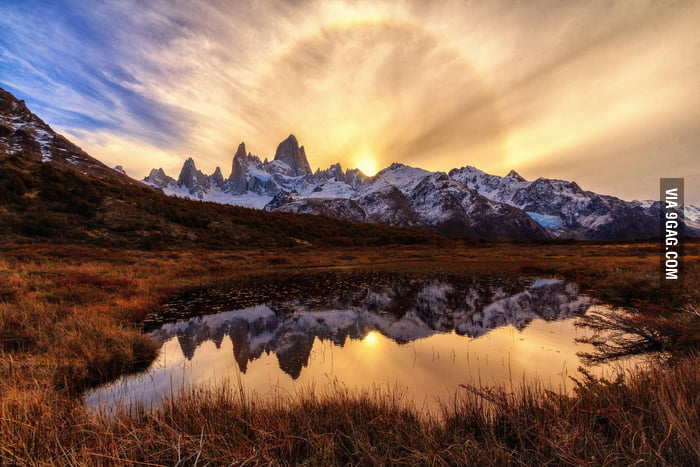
289, 152
291, 139
158, 179
194, 180
157, 172
515, 176
395, 166
466, 169
467, 202
218, 179
188, 171
240, 152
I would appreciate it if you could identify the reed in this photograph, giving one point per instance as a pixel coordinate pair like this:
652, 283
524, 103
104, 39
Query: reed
70, 318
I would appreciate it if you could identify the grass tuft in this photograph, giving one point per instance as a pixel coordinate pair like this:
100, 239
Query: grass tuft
70, 318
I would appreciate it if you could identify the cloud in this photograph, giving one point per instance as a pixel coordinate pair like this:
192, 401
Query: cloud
67, 62
549, 88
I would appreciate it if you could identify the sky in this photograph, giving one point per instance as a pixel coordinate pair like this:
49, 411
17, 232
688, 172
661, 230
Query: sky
603, 93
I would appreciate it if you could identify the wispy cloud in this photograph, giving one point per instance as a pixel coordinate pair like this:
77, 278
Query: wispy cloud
549, 88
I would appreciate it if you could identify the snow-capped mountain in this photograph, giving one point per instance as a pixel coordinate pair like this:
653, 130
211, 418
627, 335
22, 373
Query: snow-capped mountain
22, 132
398, 195
465, 202
564, 208
253, 182
401, 312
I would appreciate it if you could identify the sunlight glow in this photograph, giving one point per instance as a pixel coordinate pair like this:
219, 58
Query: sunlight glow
437, 85
367, 165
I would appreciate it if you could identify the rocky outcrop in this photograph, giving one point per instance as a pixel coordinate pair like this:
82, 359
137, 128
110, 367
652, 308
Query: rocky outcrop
218, 179
194, 180
24, 134
158, 179
293, 155
237, 181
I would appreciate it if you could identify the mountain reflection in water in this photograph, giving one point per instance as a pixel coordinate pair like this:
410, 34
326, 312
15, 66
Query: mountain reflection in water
424, 337
402, 313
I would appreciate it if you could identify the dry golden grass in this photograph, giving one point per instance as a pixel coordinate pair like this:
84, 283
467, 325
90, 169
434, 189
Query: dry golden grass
69, 319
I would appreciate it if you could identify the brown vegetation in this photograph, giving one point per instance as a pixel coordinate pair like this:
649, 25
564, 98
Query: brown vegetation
46, 203
70, 317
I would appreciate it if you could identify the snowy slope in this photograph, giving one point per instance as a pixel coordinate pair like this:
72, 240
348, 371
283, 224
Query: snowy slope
467, 203
564, 208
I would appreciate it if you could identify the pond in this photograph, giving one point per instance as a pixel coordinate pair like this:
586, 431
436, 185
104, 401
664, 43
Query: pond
422, 337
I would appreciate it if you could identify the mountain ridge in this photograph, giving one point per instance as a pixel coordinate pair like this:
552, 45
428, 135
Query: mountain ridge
463, 202
51, 190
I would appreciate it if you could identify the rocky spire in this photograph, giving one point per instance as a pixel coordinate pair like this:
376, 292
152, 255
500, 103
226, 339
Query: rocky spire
191, 178
237, 180
158, 178
218, 179
337, 172
294, 156
188, 173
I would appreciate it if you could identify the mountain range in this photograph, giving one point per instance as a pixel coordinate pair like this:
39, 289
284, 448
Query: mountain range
465, 202
52, 190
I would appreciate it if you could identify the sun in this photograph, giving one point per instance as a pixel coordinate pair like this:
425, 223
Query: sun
367, 165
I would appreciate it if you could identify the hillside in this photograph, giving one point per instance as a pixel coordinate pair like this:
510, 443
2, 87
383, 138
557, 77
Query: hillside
51, 190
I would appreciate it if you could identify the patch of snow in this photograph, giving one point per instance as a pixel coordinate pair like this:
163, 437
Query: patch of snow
43, 135
259, 173
403, 177
593, 221
333, 189
644, 204
691, 213
249, 200
550, 222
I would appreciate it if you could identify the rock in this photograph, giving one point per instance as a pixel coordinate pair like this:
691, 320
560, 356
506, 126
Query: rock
194, 180
294, 156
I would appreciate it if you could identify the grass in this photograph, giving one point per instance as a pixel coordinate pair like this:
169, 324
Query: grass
45, 203
70, 318
606, 423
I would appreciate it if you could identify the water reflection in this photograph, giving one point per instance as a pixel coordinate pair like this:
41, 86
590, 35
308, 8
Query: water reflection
426, 336
403, 313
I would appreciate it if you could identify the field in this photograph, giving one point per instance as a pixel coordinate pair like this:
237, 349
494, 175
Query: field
70, 318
